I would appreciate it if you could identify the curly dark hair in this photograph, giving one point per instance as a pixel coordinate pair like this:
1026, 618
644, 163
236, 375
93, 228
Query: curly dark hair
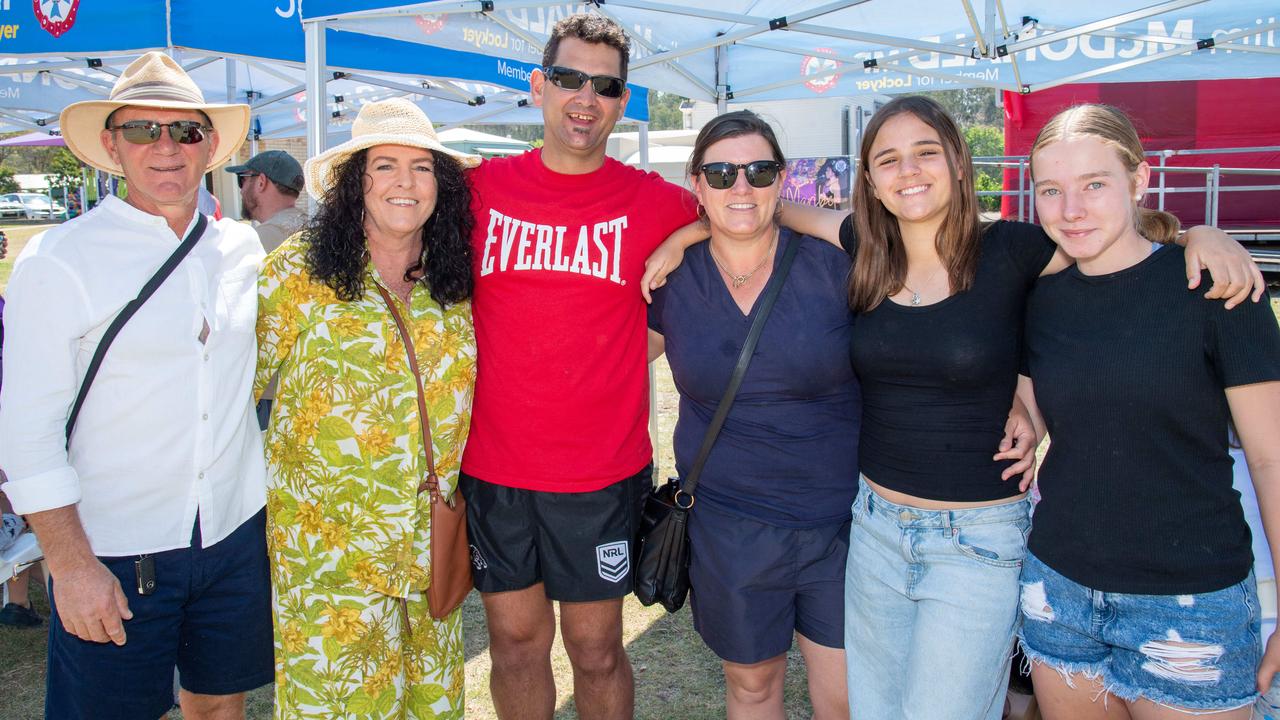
336, 249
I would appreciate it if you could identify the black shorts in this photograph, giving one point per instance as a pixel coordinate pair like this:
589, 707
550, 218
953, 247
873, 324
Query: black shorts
578, 545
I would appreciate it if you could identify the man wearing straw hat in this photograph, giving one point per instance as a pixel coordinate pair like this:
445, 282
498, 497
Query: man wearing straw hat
148, 500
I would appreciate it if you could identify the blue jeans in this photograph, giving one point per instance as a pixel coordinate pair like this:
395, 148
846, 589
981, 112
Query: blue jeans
931, 608
1136, 645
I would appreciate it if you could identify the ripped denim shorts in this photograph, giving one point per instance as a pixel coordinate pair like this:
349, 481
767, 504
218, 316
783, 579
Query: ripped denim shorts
1193, 652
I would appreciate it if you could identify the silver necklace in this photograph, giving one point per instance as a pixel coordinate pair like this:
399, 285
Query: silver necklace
915, 296
740, 280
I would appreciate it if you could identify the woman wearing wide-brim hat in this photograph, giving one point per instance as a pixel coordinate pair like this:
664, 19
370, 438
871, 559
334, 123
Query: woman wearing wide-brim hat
348, 529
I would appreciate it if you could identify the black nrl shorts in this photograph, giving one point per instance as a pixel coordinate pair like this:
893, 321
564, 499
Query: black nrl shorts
578, 545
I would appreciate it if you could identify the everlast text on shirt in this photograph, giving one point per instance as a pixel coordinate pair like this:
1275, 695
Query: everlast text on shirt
513, 244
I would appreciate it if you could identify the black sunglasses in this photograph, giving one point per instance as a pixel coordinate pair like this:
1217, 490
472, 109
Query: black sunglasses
241, 178
145, 132
570, 79
722, 175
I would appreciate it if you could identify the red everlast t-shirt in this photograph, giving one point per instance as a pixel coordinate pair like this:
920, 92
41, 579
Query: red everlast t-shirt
562, 401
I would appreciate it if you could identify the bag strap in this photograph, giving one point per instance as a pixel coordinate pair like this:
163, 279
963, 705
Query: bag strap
744, 359
149, 289
432, 483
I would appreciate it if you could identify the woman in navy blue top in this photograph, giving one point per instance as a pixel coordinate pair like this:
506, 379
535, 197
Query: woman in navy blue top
769, 532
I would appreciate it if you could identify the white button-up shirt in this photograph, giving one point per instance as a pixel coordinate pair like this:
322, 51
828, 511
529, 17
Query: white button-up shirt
167, 428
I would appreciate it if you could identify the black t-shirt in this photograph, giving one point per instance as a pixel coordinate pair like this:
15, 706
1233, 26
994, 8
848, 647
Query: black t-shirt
938, 380
1129, 372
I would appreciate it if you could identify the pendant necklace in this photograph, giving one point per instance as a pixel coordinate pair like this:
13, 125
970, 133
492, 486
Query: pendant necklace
915, 296
740, 280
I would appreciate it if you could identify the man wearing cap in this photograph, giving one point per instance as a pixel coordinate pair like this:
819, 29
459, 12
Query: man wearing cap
150, 513
269, 187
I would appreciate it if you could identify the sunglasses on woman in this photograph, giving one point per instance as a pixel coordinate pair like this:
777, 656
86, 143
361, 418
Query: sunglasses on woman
570, 79
722, 175
145, 132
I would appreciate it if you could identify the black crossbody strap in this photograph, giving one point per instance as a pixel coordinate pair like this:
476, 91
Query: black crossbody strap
744, 359
127, 312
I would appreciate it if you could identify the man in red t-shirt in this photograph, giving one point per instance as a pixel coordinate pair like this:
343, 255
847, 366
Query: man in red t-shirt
558, 458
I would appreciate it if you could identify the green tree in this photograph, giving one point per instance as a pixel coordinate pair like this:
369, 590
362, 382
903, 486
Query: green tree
7, 182
986, 140
970, 106
664, 111
65, 174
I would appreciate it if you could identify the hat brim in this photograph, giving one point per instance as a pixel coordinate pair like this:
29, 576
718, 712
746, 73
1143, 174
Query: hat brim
319, 170
82, 124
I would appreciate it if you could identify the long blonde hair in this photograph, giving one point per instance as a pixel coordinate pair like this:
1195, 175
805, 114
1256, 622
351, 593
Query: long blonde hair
1113, 128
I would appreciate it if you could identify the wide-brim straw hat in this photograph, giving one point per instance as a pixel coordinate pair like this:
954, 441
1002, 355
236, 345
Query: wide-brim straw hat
394, 121
152, 81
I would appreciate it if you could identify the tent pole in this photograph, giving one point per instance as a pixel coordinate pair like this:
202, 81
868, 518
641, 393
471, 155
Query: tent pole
722, 89
317, 119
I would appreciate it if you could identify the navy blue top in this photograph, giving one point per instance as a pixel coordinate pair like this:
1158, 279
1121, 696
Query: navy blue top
938, 380
787, 454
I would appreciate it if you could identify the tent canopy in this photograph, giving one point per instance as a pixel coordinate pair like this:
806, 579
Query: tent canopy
34, 139
724, 50
247, 50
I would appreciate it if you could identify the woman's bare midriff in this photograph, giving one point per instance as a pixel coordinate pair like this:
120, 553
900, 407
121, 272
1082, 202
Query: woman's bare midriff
901, 498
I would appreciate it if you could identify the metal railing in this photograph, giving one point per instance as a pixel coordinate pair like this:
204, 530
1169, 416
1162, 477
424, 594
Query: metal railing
1212, 189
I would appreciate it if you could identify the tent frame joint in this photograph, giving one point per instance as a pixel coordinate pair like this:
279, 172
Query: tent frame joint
778, 23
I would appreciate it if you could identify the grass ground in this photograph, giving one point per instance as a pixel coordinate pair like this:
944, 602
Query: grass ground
18, 236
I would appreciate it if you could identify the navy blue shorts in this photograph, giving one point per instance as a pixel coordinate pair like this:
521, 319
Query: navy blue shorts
210, 617
753, 585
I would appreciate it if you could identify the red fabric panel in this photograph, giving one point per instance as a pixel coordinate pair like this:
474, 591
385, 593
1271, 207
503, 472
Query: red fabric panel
1176, 116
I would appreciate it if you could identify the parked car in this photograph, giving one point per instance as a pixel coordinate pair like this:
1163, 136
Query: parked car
11, 208
35, 205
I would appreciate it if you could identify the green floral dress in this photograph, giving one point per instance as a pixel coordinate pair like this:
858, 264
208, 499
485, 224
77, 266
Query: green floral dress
347, 530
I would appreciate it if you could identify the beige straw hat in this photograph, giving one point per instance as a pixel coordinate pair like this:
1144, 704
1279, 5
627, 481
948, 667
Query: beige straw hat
395, 121
153, 81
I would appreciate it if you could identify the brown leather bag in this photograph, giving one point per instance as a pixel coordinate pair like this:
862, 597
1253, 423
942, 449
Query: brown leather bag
450, 551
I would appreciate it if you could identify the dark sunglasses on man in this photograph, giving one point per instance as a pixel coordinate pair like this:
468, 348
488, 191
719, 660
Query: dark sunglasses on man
573, 80
241, 178
145, 132
722, 175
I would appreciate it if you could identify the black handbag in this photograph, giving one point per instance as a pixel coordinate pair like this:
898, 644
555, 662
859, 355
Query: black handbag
662, 548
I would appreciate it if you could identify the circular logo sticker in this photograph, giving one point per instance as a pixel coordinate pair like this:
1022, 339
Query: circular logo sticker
55, 16
823, 72
429, 24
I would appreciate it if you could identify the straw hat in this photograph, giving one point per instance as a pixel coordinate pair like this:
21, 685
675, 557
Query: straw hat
152, 81
386, 122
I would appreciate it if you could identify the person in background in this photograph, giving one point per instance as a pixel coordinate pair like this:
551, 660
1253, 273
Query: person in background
270, 183
150, 514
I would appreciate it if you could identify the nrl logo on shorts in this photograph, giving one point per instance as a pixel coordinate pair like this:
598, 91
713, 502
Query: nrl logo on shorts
477, 560
613, 560
55, 16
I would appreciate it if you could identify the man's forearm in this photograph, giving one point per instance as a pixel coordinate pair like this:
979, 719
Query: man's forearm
62, 538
